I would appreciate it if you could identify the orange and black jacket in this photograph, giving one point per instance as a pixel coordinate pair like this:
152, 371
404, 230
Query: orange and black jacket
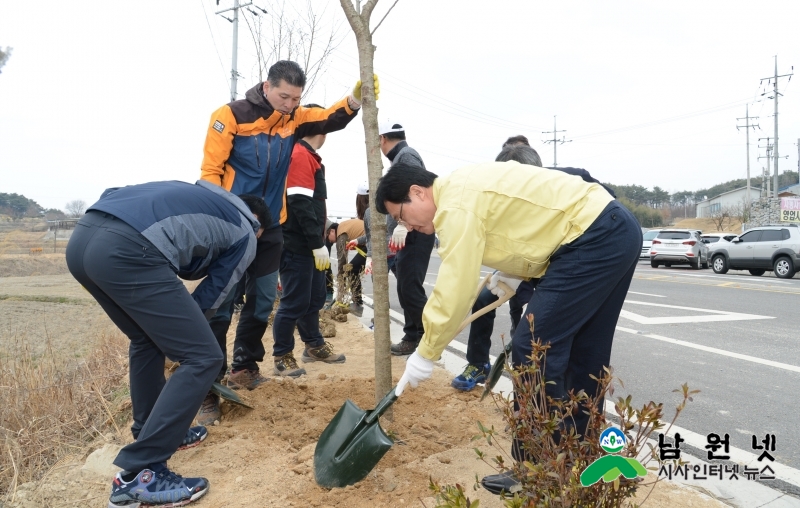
249, 145
306, 191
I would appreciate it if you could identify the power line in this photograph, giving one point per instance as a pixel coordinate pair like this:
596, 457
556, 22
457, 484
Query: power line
214, 41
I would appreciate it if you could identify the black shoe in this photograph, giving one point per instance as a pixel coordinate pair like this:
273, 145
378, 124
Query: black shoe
405, 347
503, 482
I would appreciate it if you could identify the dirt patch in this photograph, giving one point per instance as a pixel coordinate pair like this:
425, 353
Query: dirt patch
264, 457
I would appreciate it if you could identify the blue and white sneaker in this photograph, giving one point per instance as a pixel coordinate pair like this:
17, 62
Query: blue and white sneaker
471, 376
156, 486
194, 436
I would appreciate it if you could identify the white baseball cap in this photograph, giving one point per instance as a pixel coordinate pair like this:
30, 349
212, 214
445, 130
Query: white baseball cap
388, 125
363, 189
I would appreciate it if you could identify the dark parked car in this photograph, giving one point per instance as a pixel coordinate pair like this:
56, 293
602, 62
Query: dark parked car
759, 250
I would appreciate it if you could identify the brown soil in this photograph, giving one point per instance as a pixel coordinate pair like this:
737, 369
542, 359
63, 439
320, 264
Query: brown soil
264, 457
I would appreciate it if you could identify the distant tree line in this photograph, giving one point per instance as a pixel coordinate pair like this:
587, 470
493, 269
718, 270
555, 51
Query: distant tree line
656, 207
18, 206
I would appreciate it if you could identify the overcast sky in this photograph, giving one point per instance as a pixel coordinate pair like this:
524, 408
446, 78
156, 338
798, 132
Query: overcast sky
102, 94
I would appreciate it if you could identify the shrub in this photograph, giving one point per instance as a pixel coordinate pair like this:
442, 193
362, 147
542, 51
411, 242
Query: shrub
552, 476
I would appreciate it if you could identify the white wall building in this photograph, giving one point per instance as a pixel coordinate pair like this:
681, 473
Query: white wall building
726, 200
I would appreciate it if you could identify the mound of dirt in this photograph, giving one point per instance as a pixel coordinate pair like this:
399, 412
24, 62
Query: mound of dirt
264, 457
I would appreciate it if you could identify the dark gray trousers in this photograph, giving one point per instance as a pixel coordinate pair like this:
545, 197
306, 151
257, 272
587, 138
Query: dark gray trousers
134, 284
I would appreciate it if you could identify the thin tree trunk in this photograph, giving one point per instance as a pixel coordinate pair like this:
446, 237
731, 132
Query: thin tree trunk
359, 22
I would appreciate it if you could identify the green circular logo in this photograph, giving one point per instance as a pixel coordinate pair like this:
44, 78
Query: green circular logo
612, 440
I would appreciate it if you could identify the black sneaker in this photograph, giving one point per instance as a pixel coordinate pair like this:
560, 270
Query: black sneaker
194, 436
156, 486
286, 365
503, 482
405, 347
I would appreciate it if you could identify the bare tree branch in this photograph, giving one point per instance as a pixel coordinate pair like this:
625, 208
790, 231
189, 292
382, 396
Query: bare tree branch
384, 17
366, 12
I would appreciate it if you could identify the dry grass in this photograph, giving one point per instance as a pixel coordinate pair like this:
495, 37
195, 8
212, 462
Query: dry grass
26, 265
52, 408
707, 225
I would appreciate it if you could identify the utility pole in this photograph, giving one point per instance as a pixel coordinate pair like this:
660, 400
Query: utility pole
775, 95
767, 156
747, 126
555, 141
235, 21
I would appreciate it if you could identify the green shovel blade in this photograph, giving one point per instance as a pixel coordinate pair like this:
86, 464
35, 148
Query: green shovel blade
496, 371
351, 445
228, 394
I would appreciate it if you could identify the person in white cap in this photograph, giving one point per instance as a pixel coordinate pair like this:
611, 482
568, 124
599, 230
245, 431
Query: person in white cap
414, 248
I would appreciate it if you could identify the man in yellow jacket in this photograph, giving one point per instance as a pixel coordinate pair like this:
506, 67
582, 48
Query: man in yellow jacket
525, 222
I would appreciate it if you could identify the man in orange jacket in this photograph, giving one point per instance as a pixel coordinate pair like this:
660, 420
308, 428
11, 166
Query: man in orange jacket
247, 151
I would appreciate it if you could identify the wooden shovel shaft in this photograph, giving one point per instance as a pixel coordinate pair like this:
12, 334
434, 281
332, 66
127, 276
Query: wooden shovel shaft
500, 301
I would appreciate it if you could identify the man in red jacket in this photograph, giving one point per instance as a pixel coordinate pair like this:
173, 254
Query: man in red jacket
303, 262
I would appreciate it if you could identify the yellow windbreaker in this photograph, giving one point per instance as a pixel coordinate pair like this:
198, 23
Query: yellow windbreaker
507, 216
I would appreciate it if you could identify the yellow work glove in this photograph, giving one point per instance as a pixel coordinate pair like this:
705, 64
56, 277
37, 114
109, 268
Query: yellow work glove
322, 259
356, 95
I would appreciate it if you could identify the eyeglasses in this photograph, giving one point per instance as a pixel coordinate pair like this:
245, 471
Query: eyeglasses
400, 217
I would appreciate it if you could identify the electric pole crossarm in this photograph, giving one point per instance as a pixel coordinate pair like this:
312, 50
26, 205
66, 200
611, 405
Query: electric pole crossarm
555, 141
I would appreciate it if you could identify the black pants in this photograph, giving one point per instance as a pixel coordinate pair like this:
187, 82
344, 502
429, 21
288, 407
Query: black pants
261, 283
411, 267
135, 285
358, 264
301, 300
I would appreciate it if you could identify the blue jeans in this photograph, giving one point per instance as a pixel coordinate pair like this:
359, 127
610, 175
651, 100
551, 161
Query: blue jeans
577, 303
303, 297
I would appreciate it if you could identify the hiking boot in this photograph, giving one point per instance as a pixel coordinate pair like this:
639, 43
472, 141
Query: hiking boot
155, 486
323, 353
209, 410
194, 436
357, 309
471, 376
286, 365
503, 482
245, 378
405, 347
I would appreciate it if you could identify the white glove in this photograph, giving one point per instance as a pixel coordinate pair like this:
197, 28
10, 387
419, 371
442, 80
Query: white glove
368, 267
509, 280
417, 369
398, 237
322, 260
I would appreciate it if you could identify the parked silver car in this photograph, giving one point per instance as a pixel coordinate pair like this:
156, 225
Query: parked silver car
716, 240
679, 246
761, 249
647, 239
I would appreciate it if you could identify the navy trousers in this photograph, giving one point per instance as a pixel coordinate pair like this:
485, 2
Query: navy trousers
577, 303
302, 298
135, 285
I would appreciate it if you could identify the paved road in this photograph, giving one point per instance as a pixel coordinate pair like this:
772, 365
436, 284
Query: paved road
735, 337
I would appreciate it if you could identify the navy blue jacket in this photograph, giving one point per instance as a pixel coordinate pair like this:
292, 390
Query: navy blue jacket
202, 230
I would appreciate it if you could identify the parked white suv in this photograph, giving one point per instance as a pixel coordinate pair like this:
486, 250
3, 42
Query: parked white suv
761, 249
679, 246
647, 239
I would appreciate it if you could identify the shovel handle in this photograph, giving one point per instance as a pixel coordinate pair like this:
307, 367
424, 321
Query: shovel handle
500, 301
382, 406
